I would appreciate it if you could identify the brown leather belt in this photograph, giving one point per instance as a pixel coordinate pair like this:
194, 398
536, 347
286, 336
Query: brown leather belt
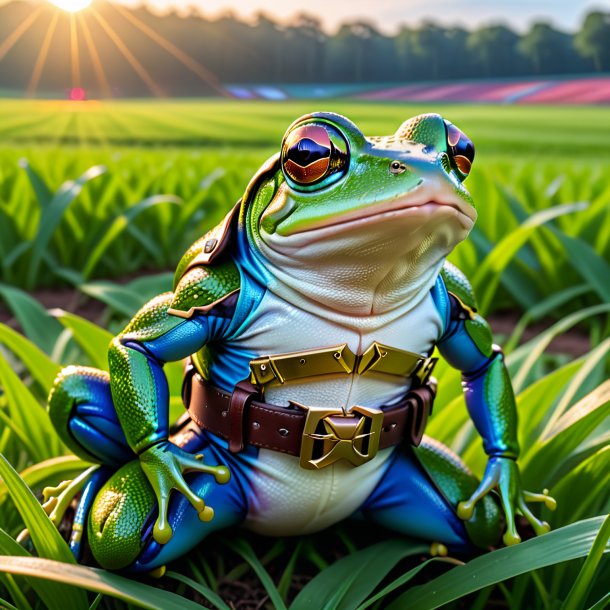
241, 418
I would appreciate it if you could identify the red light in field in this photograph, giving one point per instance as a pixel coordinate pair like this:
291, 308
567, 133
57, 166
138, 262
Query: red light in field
77, 94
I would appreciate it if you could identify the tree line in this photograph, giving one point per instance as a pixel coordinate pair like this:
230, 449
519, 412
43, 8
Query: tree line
265, 51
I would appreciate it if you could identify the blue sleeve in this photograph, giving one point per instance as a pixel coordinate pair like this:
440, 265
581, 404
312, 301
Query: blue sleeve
487, 387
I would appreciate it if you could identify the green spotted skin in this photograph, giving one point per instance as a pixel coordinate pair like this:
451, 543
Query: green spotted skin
477, 327
479, 331
422, 129
456, 483
498, 395
118, 516
457, 283
72, 387
202, 286
133, 385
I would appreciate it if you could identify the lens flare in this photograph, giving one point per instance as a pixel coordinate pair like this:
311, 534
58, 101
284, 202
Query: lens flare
72, 6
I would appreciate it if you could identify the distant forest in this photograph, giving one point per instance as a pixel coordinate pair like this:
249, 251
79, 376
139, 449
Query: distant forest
264, 51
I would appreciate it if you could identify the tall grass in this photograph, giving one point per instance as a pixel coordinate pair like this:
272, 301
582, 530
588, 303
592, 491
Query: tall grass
564, 430
82, 214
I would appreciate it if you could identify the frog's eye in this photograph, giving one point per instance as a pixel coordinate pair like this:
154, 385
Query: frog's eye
313, 152
460, 150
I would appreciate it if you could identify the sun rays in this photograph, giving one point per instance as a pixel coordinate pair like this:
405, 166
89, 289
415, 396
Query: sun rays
71, 6
81, 16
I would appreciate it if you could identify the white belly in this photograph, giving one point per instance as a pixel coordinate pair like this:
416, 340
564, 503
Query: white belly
287, 499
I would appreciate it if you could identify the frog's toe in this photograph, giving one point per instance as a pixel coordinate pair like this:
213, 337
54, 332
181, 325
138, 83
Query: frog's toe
118, 517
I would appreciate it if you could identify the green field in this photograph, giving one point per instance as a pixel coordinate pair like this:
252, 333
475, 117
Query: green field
99, 192
514, 131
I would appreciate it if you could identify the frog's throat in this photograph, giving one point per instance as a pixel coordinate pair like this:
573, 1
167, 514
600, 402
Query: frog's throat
371, 269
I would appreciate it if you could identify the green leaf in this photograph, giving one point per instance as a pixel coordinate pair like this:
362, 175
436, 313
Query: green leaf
40, 366
488, 275
123, 300
206, 592
119, 224
48, 472
587, 263
242, 548
545, 456
348, 582
49, 592
531, 351
94, 579
92, 338
52, 215
34, 319
602, 604
28, 415
570, 542
44, 195
405, 578
46, 538
582, 585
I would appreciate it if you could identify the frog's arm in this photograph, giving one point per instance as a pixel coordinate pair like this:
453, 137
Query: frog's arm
170, 327
466, 344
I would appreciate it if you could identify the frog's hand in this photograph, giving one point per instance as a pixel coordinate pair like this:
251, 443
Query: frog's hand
502, 475
164, 465
170, 327
466, 343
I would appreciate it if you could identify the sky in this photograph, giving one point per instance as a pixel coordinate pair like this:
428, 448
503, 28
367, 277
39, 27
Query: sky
390, 14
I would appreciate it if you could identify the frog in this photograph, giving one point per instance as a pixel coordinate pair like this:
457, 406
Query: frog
308, 321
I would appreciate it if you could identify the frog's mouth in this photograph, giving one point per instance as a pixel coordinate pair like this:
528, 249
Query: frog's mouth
397, 209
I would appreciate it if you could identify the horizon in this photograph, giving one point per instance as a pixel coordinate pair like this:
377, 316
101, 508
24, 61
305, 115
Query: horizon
389, 15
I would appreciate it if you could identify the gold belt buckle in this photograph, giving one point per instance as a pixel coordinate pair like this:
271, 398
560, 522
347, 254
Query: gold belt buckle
332, 434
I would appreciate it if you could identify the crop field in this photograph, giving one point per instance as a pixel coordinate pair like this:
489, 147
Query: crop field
98, 201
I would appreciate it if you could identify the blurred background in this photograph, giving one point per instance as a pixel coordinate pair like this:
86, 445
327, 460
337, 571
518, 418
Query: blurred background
129, 128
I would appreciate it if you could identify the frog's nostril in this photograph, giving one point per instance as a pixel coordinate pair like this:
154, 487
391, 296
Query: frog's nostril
396, 167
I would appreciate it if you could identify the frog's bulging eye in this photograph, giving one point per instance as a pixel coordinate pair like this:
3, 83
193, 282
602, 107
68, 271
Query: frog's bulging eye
312, 152
460, 150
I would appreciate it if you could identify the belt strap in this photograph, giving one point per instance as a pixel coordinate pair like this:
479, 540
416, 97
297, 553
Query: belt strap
242, 419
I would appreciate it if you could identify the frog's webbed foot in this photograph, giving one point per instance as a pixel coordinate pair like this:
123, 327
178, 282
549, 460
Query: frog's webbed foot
57, 500
502, 474
164, 465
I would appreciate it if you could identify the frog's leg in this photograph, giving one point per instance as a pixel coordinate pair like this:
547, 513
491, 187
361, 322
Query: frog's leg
418, 496
123, 515
82, 411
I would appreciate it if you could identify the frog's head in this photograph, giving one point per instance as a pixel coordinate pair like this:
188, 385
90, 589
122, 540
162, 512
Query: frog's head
336, 204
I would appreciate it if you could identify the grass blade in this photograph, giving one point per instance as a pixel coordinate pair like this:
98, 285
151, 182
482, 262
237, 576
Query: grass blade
39, 365
92, 338
570, 542
33, 318
46, 538
348, 582
206, 592
119, 224
49, 592
578, 593
28, 415
52, 216
241, 547
94, 579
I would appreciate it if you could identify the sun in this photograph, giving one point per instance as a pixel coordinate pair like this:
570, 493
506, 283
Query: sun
72, 6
